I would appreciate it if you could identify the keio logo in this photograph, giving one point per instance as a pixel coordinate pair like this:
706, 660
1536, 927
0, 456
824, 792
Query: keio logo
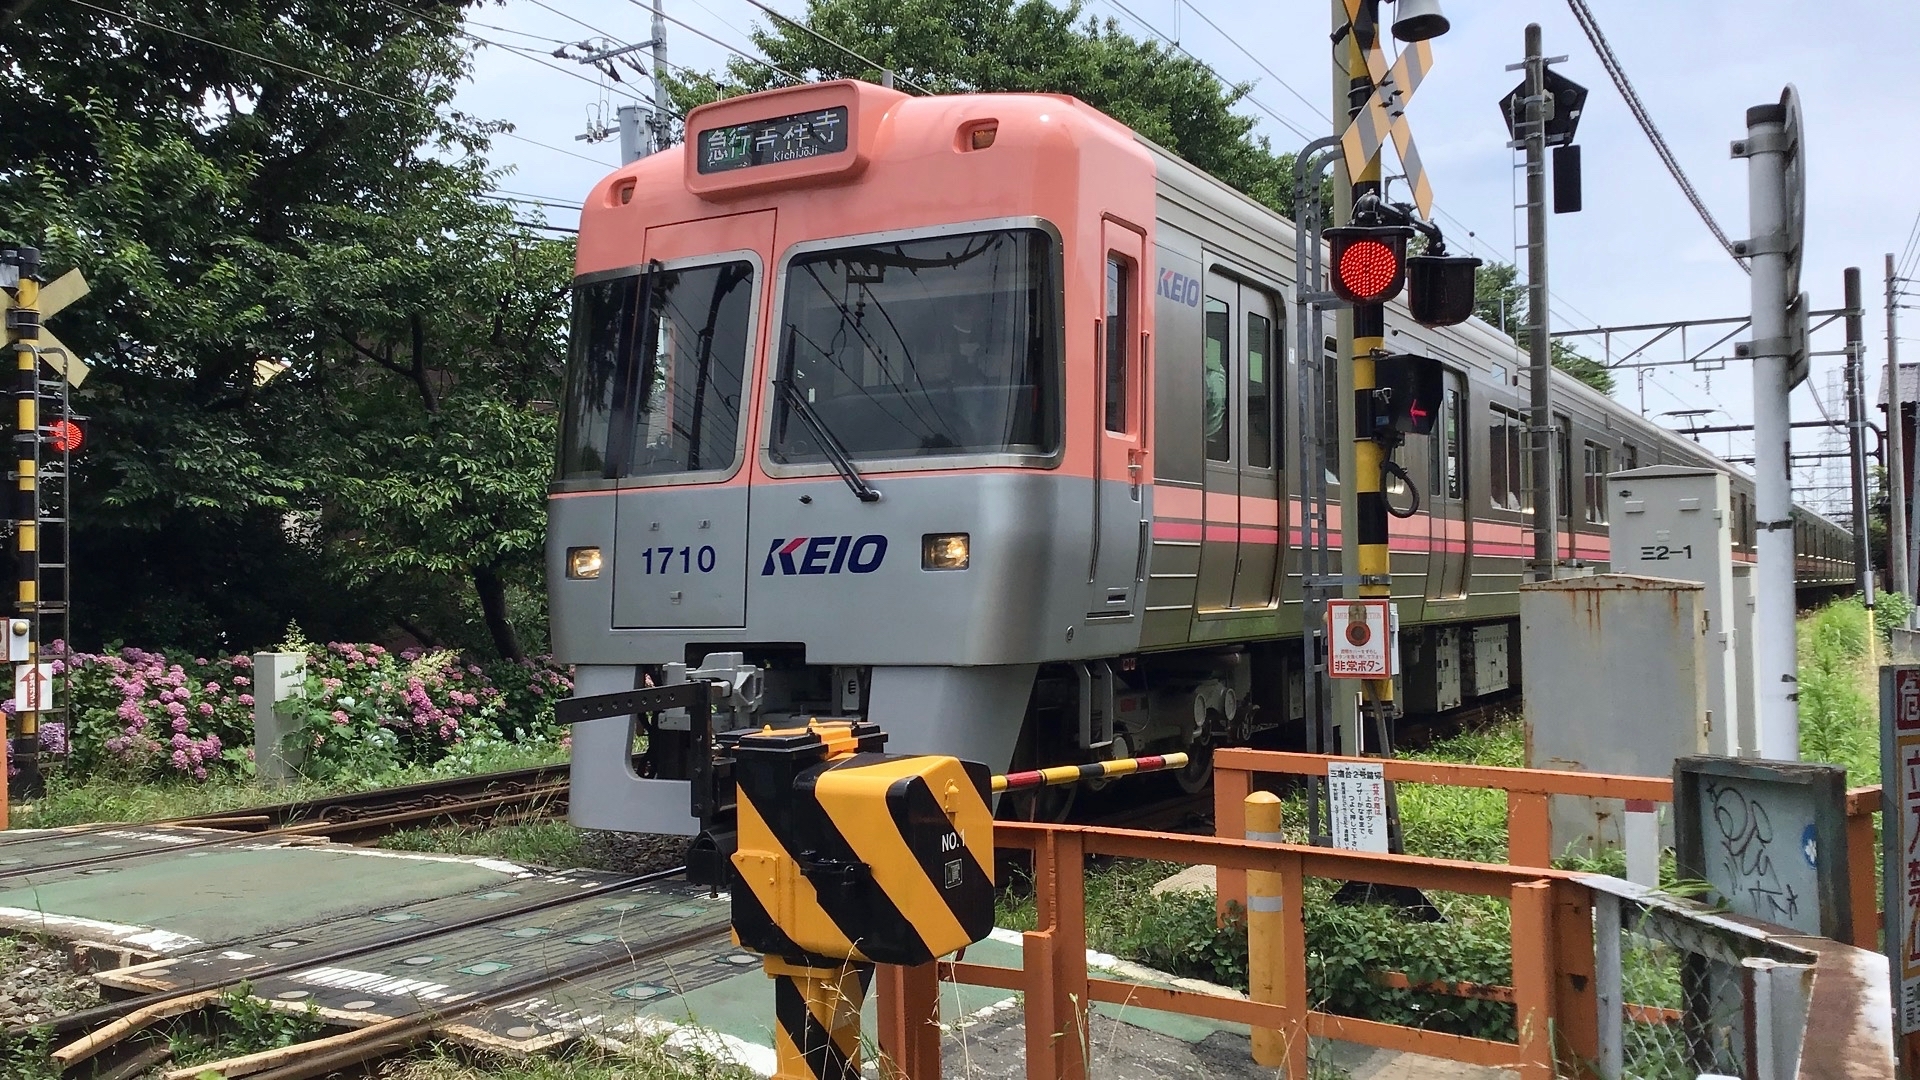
1180, 287
825, 555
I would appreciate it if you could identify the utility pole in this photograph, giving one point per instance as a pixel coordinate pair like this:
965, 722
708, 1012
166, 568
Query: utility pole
662, 133
1856, 433
1899, 559
1546, 515
1773, 252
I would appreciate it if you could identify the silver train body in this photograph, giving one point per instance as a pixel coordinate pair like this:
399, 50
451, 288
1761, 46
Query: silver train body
1123, 591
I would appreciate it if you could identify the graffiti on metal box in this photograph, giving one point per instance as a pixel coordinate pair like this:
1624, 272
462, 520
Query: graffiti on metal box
1742, 841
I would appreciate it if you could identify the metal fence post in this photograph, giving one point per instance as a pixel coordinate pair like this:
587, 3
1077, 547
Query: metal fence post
1609, 991
1779, 996
1229, 820
907, 1006
1266, 980
1533, 1019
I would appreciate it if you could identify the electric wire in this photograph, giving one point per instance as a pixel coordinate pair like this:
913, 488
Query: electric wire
741, 53
1318, 112
522, 51
357, 87
1618, 74
1254, 101
822, 37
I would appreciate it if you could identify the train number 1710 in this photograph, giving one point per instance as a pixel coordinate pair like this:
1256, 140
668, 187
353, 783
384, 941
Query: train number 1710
672, 560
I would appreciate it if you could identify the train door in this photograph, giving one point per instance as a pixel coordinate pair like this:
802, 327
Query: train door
1220, 467
1257, 356
1119, 423
1449, 526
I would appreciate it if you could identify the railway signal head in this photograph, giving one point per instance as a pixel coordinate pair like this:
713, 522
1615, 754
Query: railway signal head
1369, 262
1406, 395
1440, 288
65, 436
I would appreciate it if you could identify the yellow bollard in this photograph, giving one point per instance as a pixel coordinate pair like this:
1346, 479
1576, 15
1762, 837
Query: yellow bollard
1265, 938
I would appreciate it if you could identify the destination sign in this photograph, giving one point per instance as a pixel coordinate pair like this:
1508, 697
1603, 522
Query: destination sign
766, 142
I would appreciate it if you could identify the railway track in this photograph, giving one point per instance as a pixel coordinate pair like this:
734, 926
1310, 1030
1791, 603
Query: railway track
355, 818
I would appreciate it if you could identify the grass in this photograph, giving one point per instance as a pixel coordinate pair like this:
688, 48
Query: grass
1839, 688
538, 843
647, 1059
106, 798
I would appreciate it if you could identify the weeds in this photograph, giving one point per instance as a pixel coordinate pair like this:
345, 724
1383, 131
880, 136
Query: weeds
539, 843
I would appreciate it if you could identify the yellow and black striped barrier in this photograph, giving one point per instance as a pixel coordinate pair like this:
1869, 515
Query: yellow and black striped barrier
1092, 770
848, 857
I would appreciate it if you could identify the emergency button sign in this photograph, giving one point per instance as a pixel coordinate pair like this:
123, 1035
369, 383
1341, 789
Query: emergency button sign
1360, 639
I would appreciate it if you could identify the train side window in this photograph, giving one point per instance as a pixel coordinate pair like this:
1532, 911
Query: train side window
1598, 460
1629, 456
1507, 466
1563, 464
1119, 282
1330, 414
1452, 457
1216, 381
1260, 440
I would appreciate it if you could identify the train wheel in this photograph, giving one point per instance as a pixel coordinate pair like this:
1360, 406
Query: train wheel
1199, 771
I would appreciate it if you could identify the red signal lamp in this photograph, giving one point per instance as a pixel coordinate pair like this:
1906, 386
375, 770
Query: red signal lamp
1369, 261
65, 436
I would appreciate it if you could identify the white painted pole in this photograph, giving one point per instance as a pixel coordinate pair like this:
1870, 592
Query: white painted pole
1775, 665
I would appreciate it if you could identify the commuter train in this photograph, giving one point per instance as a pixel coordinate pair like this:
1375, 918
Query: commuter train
972, 416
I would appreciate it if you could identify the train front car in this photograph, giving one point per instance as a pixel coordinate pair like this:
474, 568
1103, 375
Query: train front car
837, 422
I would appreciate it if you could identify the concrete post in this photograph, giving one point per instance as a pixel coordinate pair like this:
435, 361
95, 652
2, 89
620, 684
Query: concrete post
277, 677
1546, 497
1898, 559
1775, 664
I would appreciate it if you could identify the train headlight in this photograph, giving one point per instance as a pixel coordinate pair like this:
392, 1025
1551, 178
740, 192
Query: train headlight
583, 562
944, 551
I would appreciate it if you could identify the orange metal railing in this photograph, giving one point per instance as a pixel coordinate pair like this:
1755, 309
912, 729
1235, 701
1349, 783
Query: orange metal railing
1552, 943
1529, 831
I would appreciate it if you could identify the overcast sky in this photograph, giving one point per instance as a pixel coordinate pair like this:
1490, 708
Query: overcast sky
1638, 253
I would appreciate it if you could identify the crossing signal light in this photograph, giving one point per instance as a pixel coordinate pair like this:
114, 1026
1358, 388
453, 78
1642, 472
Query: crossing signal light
1440, 288
1369, 262
65, 436
1407, 390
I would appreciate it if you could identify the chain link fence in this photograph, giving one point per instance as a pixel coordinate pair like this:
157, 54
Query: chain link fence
1680, 989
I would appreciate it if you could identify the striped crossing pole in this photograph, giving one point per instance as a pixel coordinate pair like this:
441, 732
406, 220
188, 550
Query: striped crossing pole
23, 335
816, 1010
1369, 335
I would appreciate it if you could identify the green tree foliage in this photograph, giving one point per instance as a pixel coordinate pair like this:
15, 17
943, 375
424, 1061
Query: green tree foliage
299, 192
1501, 301
982, 46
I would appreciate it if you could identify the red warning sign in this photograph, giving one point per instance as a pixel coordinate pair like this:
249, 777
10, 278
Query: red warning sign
1359, 639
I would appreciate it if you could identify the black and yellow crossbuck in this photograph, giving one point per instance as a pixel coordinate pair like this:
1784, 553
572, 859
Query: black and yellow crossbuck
849, 857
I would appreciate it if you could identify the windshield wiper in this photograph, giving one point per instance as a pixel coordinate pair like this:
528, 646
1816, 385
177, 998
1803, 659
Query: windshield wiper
830, 444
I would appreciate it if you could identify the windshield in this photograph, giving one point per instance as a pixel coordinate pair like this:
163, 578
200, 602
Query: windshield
921, 348
653, 382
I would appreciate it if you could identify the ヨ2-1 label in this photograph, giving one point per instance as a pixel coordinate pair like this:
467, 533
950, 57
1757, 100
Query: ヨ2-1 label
1662, 553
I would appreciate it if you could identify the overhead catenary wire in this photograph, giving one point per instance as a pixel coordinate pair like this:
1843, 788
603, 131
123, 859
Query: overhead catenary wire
521, 51
1318, 112
824, 38
1255, 102
334, 80
1584, 16
737, 51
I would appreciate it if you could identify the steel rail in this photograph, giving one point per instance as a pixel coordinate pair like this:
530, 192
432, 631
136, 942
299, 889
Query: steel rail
72, 1023
283, 813
374, 825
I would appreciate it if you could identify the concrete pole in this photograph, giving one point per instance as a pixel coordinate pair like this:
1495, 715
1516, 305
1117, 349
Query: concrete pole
1856, 433
662, 108
1775, 665
1899, 559
1546, 516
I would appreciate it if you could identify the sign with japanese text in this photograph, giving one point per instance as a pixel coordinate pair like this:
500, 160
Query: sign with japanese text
1900, 795
766, 142
1357, 799
32, 687
1360, 639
